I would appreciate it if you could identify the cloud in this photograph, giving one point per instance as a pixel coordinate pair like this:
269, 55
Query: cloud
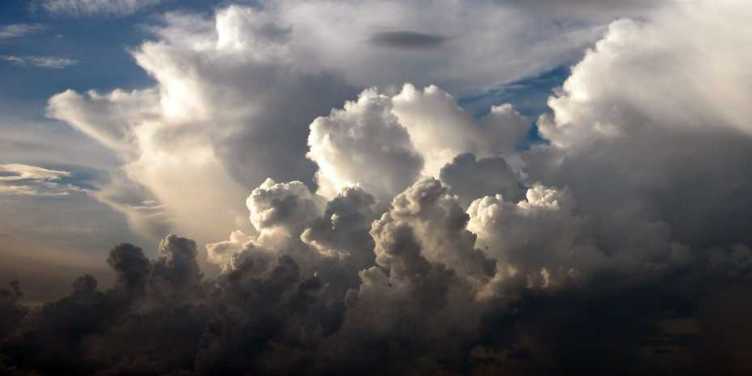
21, 179
406, 39
425, 129
629, 148
192, 126
46, 62
470, 178
357, 49
235, 92
96, 7
349, 148
418, 238
281, 210
19, 30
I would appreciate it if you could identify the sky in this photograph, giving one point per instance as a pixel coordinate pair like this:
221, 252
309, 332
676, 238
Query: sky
339, 187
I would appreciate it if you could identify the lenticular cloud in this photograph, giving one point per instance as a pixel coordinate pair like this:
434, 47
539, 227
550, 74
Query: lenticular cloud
391, 232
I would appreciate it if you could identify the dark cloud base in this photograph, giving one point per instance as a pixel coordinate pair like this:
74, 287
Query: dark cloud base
163, 318
407, 39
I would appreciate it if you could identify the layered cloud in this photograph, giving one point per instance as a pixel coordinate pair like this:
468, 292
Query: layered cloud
21, 179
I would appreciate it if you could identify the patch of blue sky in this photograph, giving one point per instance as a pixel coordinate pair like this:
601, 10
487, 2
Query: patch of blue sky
529, 96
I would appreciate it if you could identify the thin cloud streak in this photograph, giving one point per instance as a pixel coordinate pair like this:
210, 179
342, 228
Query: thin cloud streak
46, 62
80, 8
19, 30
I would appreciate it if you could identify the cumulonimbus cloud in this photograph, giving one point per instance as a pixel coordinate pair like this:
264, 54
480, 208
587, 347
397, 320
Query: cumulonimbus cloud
428, 240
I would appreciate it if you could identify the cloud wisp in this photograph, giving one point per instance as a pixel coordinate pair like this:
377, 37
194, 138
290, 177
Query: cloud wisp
45, 62
19, 30
21, 179
83, 8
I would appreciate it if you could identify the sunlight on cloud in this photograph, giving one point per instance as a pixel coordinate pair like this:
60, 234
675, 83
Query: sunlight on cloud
21, 179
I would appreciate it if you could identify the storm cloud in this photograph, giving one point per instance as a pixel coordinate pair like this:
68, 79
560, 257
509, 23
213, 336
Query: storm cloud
392, 231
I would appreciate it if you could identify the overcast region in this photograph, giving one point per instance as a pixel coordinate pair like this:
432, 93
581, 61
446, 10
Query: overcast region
390, 188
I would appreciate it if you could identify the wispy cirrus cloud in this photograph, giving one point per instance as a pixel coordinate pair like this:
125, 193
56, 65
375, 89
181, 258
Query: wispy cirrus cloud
27, 180
96, 7
48, 62
19, 30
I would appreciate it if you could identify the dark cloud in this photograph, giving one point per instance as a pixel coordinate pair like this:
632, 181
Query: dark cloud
409, 315
470, 178
405, 39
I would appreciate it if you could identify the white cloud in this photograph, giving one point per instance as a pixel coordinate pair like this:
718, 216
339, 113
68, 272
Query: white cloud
26, 180
662, 70
384, 142
236, 92
365, 145
222, 118
19, 30
47, 62
96, 7
470, 46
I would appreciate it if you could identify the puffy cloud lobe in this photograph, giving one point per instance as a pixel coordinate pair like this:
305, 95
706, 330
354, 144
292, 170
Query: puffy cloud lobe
343, 229
223, 253
280, 211
131, 265
643, 152
365, 145
441, 130
538, 237
422, 290
633, 54
401, 136
176, 269
470, 178
433, 224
